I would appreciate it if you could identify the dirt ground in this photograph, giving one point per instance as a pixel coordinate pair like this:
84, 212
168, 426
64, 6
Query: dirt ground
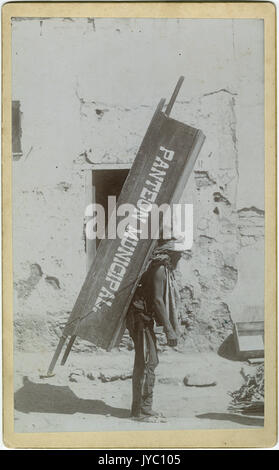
77, 399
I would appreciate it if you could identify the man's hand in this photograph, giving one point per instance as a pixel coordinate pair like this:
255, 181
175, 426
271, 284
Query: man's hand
171, 338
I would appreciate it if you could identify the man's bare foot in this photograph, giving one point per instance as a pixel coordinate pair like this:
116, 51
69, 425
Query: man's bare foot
152, 413
149, 419
149, 416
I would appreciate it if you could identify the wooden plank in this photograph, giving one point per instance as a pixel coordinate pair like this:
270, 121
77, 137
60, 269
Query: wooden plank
250, 326
109, 166
68, 349
174, 96
99, 312
249, 339
56, 354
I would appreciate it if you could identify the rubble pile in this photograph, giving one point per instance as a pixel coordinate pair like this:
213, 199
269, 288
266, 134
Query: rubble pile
250, 397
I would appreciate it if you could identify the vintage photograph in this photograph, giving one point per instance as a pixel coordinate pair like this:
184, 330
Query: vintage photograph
138, 223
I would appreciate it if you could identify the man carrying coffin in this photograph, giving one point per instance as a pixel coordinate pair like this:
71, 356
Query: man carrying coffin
155, 301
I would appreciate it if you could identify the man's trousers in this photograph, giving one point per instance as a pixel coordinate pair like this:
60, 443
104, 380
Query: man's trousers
146, 360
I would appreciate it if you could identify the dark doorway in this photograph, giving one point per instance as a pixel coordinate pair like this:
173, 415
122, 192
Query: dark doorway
106, 182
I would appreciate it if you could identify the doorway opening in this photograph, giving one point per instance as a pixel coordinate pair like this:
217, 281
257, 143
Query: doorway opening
103, 183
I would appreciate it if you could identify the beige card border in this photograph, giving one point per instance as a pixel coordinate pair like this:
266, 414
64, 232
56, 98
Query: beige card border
264, 437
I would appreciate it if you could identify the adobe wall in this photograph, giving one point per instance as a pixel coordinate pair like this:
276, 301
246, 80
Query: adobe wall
71, 77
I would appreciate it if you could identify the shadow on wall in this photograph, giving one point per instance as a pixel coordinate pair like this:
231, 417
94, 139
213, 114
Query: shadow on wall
227, 349
45, 398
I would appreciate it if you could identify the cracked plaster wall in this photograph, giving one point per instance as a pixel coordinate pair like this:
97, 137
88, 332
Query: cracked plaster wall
71, 77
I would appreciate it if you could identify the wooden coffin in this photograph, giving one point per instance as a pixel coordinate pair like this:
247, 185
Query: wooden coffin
99, 312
